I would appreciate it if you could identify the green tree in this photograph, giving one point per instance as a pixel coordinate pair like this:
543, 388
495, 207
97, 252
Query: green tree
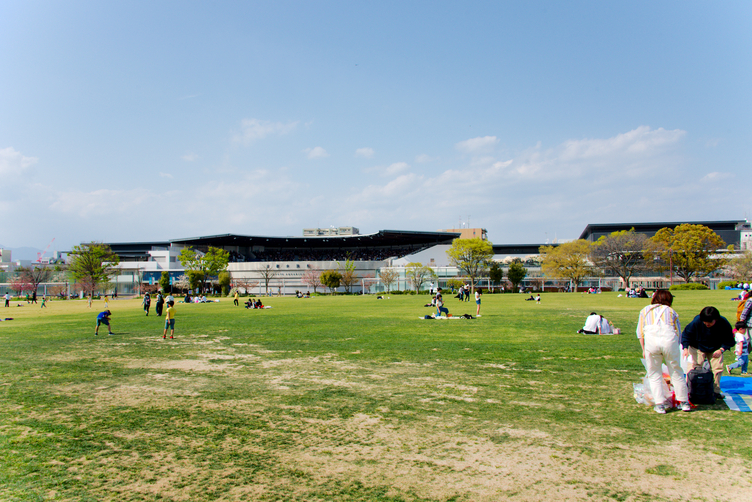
471, 257
92, 264
417, 273
516, 273
495, 273
454, 284
690, 250
200, 266
331, 279
621, 253
224, 282
164, 281
348, 276
569, 261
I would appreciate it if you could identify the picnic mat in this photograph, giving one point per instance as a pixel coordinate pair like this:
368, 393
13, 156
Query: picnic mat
738, 392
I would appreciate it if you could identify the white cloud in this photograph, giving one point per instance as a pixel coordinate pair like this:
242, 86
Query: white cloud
165, 175
716, 176
13, 162
189, 157
396, 168
255, 129
477, 145
316, 153
365, 152
637, 141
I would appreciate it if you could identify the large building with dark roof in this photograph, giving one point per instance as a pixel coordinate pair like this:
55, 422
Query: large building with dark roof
290, 257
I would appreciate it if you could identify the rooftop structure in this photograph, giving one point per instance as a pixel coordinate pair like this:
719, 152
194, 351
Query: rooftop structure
729, 231
331, 231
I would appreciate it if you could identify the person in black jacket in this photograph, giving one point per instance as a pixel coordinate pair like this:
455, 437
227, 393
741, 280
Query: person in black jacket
707, 337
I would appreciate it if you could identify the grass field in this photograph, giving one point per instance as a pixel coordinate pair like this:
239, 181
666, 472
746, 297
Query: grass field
352, 398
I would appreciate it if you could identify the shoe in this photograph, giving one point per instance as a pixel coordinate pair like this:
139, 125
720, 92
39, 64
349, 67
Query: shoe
659, 408
96, 334
164, 337
171, 337
720, 395
110, 333
685, 406
728, 369
744, 372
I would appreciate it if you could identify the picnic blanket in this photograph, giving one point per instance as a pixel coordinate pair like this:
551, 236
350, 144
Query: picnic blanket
738, 392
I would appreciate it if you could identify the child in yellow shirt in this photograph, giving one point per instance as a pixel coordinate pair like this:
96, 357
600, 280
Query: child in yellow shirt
169, 320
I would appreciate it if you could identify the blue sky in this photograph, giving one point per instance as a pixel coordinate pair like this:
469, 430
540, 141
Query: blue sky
137, 121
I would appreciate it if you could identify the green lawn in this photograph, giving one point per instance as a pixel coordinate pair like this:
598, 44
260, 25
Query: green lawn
352, 398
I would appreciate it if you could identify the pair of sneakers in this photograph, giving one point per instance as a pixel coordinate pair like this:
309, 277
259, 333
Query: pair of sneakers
684, 406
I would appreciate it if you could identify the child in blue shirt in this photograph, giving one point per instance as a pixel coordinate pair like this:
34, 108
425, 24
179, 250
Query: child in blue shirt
104, 318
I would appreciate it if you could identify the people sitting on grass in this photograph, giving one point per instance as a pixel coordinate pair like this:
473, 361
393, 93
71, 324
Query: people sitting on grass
592, 324
440, 305
254, 304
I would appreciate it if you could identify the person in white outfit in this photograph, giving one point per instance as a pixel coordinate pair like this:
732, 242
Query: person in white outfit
659, 332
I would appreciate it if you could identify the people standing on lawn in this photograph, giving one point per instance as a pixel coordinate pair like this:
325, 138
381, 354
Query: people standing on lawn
235, 298
104, 318
106, 302
477, 302
44, 302
169, 320
159, 304
742, 348
659, 331
34, 296
706, 338
7, 299
91, 298
146, 303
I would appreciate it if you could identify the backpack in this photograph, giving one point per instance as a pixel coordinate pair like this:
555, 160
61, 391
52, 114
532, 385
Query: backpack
740, 309
700, 386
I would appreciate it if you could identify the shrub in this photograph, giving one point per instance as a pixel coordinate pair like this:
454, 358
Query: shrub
688, 286
731, 284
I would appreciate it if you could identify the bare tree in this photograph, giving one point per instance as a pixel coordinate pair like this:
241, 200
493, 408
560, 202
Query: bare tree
35, 275
312, 278
621, 253
246, 284
267, 274
388, 276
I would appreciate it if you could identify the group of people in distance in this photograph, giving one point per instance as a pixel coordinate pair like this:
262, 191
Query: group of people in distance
705, 338
103, 318
254, 304
438, 301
